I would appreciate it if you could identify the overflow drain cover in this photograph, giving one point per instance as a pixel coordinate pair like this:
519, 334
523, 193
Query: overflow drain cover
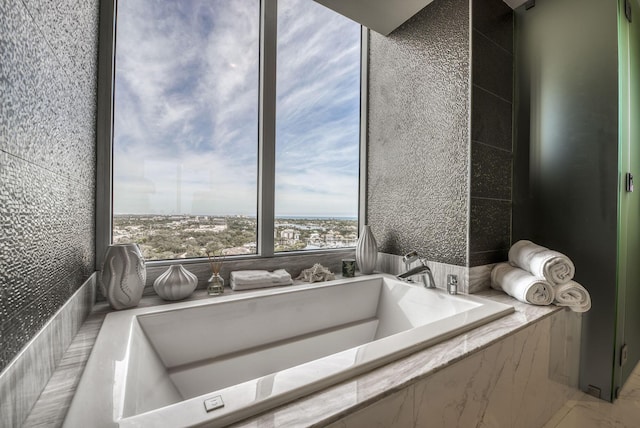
213, 403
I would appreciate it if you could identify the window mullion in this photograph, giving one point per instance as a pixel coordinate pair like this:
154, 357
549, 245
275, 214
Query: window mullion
267, 127
364, 102
104, 129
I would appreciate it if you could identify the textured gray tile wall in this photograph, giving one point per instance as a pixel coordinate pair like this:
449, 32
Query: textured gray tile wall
491, 132
48, 59
418, 132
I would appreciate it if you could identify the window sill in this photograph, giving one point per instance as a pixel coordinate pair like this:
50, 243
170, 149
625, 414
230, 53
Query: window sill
294, 262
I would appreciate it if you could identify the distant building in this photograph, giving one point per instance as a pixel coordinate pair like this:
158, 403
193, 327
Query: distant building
332, 236
289, 234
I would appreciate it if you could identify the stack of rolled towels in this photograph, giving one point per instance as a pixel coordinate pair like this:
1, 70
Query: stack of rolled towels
249, 279
540, 276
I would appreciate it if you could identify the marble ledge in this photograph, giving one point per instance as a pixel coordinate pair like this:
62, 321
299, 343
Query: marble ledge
470, 280
320, 408
23, 380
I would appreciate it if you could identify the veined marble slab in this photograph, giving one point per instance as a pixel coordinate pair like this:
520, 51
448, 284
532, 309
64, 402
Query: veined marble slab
22, 381
52, 405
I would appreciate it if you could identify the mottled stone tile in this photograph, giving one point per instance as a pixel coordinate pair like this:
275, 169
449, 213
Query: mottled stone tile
24, 323
481, 258
494, 19
491, 119
490, 225
48, 112
442, 222
418, 130
47, 160
69, 27
50, 228
492, 67
490, 172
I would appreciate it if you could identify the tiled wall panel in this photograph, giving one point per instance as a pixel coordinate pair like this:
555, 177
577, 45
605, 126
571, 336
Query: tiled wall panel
495, 20
491, 119
491, 132
492, 65
490, 172
48, 57
490, 226
418, 130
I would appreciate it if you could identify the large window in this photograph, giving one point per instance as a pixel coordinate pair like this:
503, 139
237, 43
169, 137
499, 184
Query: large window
187, 106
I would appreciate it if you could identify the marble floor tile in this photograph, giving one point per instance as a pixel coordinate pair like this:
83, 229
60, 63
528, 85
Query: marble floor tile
586, 411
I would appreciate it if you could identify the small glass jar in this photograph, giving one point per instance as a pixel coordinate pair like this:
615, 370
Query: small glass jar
348, 268
215, 285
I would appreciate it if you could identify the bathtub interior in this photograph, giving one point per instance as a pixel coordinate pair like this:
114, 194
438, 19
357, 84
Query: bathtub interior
254, 351
184, 353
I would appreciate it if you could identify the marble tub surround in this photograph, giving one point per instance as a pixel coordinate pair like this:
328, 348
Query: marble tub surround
470, 280
508, 384
24, 378
510, 365
330, 405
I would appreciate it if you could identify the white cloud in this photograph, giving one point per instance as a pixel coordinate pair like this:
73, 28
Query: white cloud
187, 105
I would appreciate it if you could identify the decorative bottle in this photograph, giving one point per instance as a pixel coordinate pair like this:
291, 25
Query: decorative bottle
176, 283
215, 285
366, 251
123, 275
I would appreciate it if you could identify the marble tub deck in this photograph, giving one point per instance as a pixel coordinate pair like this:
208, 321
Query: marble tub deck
318, 409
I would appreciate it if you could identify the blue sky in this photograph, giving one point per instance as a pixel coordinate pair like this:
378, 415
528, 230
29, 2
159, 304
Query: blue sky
186, 108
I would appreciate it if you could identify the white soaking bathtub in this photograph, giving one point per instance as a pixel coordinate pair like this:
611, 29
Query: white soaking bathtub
216, 361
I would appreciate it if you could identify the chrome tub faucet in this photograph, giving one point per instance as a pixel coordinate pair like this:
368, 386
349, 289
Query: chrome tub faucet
426, 277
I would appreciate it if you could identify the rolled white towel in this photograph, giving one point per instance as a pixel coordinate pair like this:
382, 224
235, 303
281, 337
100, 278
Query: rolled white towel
573, 295
540, 261
521, 284
249, 279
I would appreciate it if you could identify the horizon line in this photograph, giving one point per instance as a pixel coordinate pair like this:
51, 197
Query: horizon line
319, 217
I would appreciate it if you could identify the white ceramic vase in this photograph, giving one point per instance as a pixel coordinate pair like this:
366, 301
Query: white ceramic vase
366, 251
123, 275
176, 283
